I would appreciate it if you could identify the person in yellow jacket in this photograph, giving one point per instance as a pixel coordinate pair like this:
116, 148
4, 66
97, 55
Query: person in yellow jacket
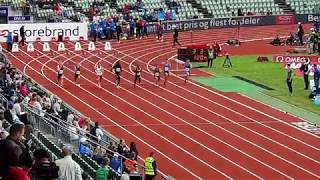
150, 167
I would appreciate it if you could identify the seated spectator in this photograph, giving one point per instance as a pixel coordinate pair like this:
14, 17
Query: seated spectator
23, 91
68, 168
84, 148
37, 106
173, 15
168, 16
70, 118
73, 131
10, 115
96, 132
43, 168
21, 171
115, 162
103, 172
11, 149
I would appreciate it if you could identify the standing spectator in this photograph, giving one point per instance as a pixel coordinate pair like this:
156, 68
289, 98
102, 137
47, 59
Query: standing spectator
211, 56
289, 78
57, 107
68, 168
306, 70
11, 149
132, 27
300, 33
9, 41
150, 167
133, 150
316, 76
175, 37
103, 172
22, 35
94, 30
96, 132
121, 147
119, 31
43, 168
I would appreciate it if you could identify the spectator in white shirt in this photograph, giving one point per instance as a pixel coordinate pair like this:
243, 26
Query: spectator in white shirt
37, 107
68, 168
57, 107
17, 106
70, 118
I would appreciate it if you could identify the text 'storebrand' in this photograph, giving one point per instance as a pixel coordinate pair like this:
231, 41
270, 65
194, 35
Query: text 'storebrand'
46, 31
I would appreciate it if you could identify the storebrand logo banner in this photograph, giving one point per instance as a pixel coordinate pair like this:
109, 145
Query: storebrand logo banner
45, 31
285, 19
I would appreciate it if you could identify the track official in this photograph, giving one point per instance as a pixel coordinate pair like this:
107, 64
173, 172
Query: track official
150, 167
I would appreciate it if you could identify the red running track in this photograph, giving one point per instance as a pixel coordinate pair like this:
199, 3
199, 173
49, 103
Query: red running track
196, 132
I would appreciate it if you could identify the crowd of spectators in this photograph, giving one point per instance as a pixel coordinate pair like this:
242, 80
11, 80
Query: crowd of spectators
15, 127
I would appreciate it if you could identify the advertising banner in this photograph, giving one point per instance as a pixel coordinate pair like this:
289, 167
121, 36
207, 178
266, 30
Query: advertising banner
45, 31
20, 19
296, 61
285, 19
3, 15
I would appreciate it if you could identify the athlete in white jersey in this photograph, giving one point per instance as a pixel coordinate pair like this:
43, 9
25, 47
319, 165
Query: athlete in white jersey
99, 72
187, 70
60, 72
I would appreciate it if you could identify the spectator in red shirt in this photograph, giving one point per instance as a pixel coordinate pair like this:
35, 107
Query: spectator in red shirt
23, 89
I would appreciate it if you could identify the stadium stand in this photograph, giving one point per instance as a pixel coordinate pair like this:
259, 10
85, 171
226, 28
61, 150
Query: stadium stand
52, 132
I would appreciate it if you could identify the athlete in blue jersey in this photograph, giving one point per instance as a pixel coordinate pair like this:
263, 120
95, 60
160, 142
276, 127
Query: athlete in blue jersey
166, 71
187, 70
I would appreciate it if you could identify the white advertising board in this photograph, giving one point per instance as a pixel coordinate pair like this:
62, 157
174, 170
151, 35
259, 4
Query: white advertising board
45, 31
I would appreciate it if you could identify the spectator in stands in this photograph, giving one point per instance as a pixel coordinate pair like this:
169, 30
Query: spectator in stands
130, 165
9, 41
96, 132
10, 115
23, 89
57, 107
73, 131
11, 149
21, 171
22, 35
133, 149
102, 173
168, 16
47, 106
300, 33
115, 162
121, 147
70, 118
68, 168
84, 147
150, 167
43, 168
37, 106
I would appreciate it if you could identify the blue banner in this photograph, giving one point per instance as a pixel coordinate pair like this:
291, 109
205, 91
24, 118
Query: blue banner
20, 19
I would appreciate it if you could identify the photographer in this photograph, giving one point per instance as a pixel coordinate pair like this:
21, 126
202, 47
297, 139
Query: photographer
43, 168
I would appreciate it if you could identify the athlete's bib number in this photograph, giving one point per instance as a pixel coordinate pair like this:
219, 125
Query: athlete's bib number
166, 68
60, 71
187, 69
138, 73
77, 72
117, 69
157, 74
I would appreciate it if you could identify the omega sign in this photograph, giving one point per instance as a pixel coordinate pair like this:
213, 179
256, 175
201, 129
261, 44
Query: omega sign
296, 59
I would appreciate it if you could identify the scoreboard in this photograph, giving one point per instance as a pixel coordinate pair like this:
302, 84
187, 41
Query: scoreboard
195, 53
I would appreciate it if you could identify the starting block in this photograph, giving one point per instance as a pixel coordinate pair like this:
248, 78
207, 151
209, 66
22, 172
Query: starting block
15, 47
77, 46
30, 47
92, 46
61, 46
107, 46
46, 47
